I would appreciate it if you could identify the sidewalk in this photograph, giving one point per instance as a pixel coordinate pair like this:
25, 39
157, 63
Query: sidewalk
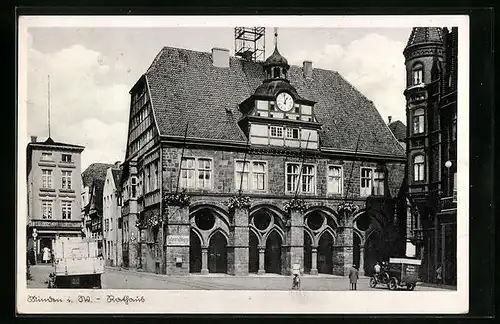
224, 275
431, 285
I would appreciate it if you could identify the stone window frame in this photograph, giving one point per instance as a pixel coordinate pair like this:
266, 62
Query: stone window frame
341, 179
48, 179
417, 70
196, 173
46, 156
66, 209
250, 176
66, 179
49, 205
301, 174
421, 165
418, 116
370, 192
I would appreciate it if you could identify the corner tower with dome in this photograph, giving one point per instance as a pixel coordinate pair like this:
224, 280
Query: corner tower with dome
235, 166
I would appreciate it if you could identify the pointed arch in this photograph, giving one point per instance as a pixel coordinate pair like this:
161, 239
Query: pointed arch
277, 230
273, 210
257, 235
310, 233
326, 230
200, 237
359, 235
327, 211
218, 229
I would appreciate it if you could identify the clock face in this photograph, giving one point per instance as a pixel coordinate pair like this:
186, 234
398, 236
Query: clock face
284, 101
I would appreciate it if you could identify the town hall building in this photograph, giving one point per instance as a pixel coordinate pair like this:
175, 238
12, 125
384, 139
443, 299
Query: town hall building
238, 166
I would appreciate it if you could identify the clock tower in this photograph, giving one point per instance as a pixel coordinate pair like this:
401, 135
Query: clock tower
276, 115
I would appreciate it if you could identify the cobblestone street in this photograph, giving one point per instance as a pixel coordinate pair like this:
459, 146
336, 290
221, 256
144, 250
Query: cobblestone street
115, 278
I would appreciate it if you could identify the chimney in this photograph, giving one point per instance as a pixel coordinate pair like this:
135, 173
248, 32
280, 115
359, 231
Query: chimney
220, 57
307, 69
33, 139
390, 118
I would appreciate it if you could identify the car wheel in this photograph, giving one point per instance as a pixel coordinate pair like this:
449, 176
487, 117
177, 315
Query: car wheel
373, 282
410, 286
393, 284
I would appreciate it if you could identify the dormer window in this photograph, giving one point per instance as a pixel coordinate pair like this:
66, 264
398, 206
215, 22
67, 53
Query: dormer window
418, 74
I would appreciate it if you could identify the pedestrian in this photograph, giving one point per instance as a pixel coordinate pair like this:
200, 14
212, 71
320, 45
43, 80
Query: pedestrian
353, 277
439, 275
376, 268
46, 255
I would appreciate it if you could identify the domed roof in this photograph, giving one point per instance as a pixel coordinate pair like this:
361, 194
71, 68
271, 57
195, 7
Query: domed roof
276, 59
425, 35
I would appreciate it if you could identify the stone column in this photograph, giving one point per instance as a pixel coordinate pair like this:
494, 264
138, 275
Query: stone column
314, 261
134, 241
177, 241
343, 251
204, 260
262, 260
361, 260
294, 248
238, 243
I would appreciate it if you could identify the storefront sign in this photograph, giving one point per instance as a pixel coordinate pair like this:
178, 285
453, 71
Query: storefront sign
65, 224
177, 240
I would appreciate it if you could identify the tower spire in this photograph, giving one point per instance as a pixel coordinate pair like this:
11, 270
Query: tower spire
275, 37
48, 101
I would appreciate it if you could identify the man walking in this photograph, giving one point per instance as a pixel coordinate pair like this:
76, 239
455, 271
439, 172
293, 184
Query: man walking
353, 277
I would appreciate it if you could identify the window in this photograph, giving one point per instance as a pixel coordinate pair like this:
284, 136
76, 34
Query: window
418, 168
276, 72
188, 173
306, 183
47, 207
292, 177
47, 179
66, 180
157, 177
292, 133
276, 131
66, 209
372, 182
204, 173
242, 173
366, 181
46, 156
334, 184
308, 178
258, 175
378, 182
111, 224
133, 187
418, 121
66, 158
418, 74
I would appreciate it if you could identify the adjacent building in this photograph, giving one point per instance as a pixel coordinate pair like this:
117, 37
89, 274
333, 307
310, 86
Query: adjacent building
54, 184
92, 209
236, 166
112, 221
398, 128
431, 138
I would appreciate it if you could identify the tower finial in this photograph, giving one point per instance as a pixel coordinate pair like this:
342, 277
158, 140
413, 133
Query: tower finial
48, 101
276, 37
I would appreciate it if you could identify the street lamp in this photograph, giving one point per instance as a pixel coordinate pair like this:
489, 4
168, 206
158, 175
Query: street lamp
448, 164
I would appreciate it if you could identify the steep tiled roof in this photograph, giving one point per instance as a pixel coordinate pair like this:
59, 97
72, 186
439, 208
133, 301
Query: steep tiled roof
186, 87
421, 35
95, 171
398, 129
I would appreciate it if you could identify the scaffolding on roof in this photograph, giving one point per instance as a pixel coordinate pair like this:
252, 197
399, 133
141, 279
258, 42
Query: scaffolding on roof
250, 43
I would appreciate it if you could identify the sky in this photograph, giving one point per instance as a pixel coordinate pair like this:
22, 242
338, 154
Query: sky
93, 69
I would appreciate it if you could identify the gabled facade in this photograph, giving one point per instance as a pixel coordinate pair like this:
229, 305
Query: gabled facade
112, 227
93, 184
53, 178
431, 96
222, 130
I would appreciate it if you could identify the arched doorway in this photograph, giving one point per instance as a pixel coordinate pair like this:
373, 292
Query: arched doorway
217, 254
273, 253
325, 253
194, 253
253, 253
356, 250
